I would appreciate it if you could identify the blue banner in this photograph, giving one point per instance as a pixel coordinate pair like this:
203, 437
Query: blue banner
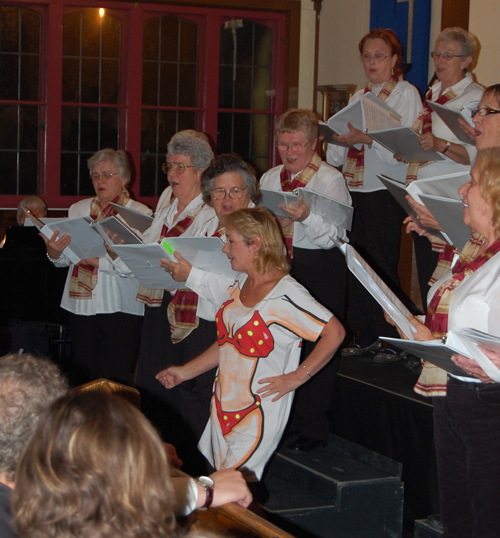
394, 14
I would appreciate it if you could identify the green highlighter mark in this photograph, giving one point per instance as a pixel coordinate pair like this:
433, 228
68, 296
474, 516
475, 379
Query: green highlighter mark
165, 244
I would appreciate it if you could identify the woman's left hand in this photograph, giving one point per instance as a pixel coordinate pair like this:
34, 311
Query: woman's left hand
472, 367
280, 385
467, 129
354, 136
429, 142
296, 213
180, 270
424, 215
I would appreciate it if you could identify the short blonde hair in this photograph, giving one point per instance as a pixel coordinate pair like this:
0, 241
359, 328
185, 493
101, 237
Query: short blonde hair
257, 221
298, 119
488, 166
94, 468
467, 41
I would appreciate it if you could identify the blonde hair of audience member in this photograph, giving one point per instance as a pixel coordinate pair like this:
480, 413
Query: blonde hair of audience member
28, 384
295, 120
488, 167
95, 467
257, 221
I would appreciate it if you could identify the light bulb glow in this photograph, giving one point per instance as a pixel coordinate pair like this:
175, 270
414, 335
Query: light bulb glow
101, 12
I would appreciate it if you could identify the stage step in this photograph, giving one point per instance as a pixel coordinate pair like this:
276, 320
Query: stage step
424, 530
340, 491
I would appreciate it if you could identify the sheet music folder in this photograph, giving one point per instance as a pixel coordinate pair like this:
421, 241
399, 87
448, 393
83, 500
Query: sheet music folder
202, 252
450, 116
464, 341
332, 211
403, 141
378, 289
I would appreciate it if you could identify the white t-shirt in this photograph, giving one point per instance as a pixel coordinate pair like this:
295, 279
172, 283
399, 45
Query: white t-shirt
256, 343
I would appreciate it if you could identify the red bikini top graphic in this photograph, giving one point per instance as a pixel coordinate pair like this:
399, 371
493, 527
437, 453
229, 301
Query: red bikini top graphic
252, 340
228, 420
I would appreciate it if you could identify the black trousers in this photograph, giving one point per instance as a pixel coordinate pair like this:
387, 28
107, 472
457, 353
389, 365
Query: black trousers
104, 345
376, 235
467, 437
180, 414
426, 260
323, 273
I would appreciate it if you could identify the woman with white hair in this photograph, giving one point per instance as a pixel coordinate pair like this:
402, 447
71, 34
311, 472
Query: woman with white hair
105, 318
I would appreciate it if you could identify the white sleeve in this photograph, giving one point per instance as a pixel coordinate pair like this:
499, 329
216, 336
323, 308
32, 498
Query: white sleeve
319, 232
210, 286
336, 155
186, 494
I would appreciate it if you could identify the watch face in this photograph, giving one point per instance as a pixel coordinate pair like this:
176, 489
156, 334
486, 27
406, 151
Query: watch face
206, 481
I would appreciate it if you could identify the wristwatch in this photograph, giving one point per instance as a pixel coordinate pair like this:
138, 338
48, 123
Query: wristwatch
448, 144
207, 483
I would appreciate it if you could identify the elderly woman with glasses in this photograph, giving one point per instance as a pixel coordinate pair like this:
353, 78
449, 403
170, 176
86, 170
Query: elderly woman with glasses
376, 229
172, 332
228, 184
105, 319
454, 54
316, 263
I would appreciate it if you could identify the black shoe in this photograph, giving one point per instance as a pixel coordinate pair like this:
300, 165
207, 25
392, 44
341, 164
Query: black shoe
355, 350
306, 444
435, 521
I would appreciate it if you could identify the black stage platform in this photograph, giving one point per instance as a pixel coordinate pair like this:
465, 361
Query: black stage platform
375, 406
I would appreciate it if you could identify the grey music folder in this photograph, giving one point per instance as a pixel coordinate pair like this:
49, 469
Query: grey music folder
449, 214
331, 210
202, 252
450, 116
135, 219
403, 141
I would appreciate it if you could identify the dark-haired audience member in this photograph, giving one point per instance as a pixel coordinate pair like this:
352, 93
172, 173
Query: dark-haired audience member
376, 227
96, 467
28, 385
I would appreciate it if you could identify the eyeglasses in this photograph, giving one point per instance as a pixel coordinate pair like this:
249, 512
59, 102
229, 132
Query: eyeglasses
104, 175
235, 193
377, 57
177, 168
445, 55
483, 112
295, 146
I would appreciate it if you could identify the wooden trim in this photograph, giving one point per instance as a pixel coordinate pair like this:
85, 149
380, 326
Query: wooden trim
234, 519
455, 13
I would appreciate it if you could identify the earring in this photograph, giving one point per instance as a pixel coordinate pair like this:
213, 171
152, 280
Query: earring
392, 71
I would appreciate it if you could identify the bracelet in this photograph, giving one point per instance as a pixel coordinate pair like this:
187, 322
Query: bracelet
307, 372
52, 259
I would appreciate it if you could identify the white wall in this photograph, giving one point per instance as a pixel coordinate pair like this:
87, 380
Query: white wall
306, 58
484, 24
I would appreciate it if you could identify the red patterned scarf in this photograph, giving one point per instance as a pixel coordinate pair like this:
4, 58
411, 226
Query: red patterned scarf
287, 185
423, 124
354, 167
433, 380
84, 276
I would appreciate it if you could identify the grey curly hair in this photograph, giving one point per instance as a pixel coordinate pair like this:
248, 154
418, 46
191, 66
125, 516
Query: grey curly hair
28, 385
118, 158
193, 144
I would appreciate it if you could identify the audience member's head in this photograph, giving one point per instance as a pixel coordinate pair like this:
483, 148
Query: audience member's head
95, 467
35, 204
27, 386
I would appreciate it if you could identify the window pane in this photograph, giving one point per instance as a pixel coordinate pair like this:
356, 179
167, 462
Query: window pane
245, 65
19, 53
170, 53
247, 135
84, 131
91, 57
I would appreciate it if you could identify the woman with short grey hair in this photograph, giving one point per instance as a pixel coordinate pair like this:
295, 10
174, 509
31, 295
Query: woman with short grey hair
172, 332
105, 319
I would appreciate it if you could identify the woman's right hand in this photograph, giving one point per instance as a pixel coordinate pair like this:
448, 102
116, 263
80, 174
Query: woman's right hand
179, 270
54, 246
467, 129
171, 376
